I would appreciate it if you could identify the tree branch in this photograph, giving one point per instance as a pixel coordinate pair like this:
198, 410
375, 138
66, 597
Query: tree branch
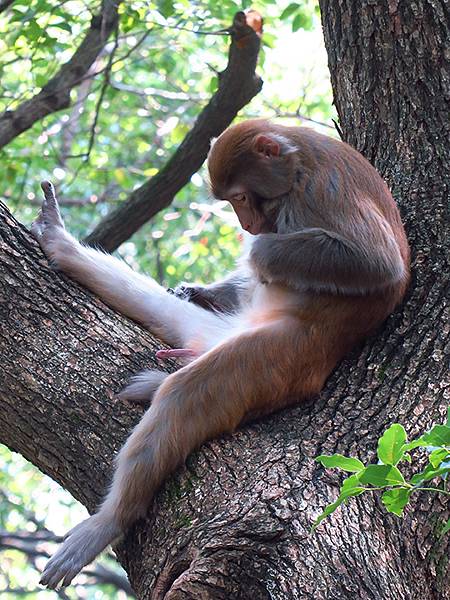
4, 4
238, 84
55, 95
34, 546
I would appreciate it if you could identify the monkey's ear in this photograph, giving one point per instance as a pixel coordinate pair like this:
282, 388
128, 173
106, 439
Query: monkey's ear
263, 144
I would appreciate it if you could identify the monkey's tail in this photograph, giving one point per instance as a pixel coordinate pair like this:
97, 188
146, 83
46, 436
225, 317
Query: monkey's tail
80, 547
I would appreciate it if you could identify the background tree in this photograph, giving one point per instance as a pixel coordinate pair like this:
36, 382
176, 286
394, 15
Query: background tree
235, 523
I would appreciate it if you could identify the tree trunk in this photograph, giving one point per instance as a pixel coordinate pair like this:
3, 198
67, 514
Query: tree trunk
235, 522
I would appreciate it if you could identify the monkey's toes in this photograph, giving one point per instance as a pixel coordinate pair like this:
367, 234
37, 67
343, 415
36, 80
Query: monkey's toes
49, 215
48, 188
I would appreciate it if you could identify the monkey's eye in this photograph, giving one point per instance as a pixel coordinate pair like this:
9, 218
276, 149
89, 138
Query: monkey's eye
239, 198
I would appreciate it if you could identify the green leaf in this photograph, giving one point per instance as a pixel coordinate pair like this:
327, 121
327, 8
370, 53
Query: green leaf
301, 20
439, 435
343, 496
446, 528
448, 417
390, 445
353, 465
395, 500
63, 25
438, 456
430, 473
33, 31
166, 8
381, 475
417, 443
350, 483
289, 10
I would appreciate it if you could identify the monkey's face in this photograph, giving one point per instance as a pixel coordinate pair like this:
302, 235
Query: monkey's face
249, 213
251, 165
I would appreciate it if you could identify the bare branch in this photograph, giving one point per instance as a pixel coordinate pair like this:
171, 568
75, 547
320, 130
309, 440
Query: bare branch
238, 84
55, 95
105, 84
34, 546
70, 128
4, 4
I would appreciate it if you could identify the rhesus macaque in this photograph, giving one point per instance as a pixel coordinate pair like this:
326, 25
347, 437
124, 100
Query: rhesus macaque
329, 263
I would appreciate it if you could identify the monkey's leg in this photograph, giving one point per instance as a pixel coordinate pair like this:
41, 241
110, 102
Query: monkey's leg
138, 297
254, 373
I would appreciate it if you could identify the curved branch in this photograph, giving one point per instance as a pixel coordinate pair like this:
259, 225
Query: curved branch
238, 84
34, 546
55, 95
4, 4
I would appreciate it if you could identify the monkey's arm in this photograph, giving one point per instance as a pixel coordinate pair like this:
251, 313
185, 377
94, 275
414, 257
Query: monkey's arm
365, 260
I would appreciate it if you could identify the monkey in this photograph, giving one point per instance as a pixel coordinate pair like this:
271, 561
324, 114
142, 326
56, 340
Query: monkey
328, 263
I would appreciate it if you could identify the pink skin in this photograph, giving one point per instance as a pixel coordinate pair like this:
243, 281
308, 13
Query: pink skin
176, 353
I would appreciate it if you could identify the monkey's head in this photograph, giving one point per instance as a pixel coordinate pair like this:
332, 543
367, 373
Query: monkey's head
251, 165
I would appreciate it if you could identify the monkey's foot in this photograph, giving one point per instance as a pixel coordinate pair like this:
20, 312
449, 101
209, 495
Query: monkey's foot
143, 386
49, 215
49, 224
80, 547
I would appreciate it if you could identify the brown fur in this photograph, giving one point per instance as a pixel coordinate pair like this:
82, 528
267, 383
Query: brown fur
330, 264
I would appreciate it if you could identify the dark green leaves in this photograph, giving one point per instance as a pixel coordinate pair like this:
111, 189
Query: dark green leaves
353, 465
381, 476
166, 7
393, 447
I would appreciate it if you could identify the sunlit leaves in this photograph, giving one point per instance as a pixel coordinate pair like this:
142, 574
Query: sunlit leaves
381, 475
342, 462
299, 14
395, 500
393, 447
390, 445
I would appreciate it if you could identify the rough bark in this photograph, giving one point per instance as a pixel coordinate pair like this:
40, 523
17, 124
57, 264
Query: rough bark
238, 84
235, 522
55, 95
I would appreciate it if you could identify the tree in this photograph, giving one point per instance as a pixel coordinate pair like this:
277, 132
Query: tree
235, 522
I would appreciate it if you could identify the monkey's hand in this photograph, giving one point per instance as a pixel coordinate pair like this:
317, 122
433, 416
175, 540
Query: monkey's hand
197, 295
49, 224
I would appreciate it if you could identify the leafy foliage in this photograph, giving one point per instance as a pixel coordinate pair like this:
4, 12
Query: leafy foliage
394, 448
162, 75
